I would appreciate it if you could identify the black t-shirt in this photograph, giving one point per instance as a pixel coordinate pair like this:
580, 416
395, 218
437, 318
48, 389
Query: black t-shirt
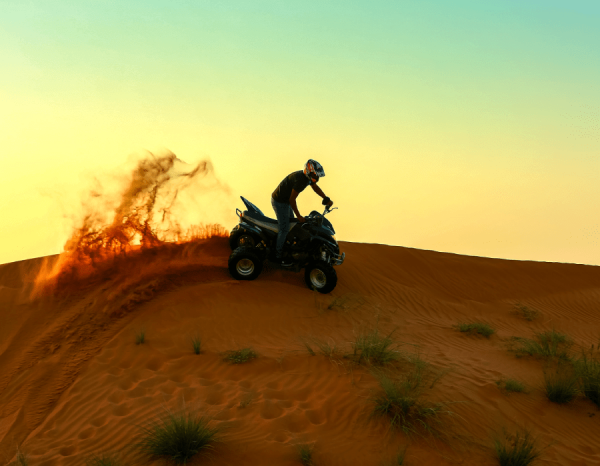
297, 180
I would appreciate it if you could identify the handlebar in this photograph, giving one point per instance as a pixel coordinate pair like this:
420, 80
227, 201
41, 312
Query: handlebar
326, 201
310, 220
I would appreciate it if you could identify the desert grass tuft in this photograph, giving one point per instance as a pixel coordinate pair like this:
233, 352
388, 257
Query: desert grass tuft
140, 337
396, 460
401, 401
239, 356
308, 347
475, 328
22, 458
337, 302
326, 349
400, 457
103, 459
588, 369
548, 344
177, 437
245, 401
561, 383
197, 344
519, 449
305, 454
347, 302
528, 313
416, 361
373, 348
511, 385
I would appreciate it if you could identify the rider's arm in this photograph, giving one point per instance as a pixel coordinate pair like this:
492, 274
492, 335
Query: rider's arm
319, 192
293, 197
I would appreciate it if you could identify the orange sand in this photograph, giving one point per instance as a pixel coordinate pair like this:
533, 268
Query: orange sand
73, 383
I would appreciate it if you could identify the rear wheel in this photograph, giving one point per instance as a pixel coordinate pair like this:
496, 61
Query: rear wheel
243, 239
245, 263
320, 276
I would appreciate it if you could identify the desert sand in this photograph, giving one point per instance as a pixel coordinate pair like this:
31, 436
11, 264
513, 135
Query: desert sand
74, 383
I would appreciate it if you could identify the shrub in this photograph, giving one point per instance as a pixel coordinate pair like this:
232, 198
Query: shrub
516, 450
305, 453
140, 337
309, 348
197, 344
22, 458
548, 344
374, 348
561, 384
239, 356
400, 457
178, 437
511, 385
476, 328
401, 402
325, 348
527, 313
588, 369
245, 401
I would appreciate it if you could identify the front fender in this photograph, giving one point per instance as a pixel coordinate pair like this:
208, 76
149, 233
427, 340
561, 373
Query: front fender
322, 240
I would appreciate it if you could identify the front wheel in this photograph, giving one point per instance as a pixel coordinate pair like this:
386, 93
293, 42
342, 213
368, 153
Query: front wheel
245, 264
320, 276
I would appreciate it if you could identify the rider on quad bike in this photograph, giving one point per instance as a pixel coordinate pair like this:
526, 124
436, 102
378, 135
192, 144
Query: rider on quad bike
283, 200
309, 241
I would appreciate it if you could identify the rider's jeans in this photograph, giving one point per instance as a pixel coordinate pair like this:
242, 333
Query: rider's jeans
284, 213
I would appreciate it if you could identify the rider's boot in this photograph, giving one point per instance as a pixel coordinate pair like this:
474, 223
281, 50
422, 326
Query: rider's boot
285, 260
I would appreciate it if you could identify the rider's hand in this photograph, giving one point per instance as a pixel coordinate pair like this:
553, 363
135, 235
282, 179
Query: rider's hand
301, 219
330, 203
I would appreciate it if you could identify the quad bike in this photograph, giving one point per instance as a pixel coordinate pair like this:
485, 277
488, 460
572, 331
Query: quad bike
310, 245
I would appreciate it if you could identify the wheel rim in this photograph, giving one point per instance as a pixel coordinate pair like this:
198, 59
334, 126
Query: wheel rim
246, 240
245, 267
318, 278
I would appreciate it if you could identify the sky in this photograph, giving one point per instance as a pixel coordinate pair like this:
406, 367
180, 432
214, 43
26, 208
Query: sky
467, 127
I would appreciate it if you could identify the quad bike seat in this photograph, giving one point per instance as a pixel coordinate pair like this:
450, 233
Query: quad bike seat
265, 222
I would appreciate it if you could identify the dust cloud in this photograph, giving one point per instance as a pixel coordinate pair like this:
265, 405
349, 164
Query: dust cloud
142, 229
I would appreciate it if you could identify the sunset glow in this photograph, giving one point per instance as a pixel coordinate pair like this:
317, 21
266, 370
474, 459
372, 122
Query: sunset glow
466, 127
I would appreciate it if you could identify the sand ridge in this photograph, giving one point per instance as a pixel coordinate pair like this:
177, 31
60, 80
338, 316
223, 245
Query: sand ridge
74, 383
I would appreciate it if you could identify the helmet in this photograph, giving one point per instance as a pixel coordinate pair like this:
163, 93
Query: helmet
312, 166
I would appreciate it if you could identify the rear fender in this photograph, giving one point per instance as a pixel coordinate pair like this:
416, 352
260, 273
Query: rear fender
251, 207
252, 229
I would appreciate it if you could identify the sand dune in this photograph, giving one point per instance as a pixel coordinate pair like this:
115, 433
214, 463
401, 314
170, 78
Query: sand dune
73, 383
